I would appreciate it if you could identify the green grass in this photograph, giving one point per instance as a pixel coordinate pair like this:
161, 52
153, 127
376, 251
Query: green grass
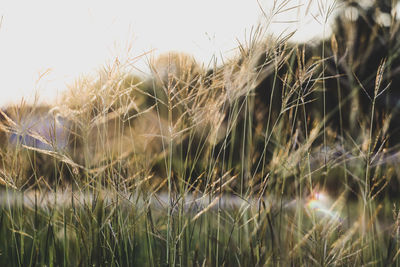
238, 165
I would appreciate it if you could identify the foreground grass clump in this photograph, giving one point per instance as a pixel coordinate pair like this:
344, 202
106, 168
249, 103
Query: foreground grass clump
285, 155
110, 228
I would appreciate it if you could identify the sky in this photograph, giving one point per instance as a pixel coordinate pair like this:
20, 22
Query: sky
47, 44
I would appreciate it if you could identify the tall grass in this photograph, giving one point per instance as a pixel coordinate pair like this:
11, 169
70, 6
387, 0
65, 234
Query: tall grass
235, 165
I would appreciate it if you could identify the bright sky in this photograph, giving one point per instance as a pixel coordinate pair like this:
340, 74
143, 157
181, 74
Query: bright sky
66, 39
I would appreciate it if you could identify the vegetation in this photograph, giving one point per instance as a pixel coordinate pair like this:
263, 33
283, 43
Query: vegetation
285, 155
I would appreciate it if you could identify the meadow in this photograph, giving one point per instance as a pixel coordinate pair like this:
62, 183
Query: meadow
285, 155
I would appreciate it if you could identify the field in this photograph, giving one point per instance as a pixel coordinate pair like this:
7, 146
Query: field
285, 155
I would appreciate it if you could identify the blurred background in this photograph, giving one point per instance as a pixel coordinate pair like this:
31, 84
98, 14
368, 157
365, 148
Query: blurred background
45, 44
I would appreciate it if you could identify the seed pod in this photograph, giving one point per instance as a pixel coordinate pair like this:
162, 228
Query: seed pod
334, 46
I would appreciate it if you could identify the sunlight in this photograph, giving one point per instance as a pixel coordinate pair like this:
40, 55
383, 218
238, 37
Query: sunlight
69, 39
321, 204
